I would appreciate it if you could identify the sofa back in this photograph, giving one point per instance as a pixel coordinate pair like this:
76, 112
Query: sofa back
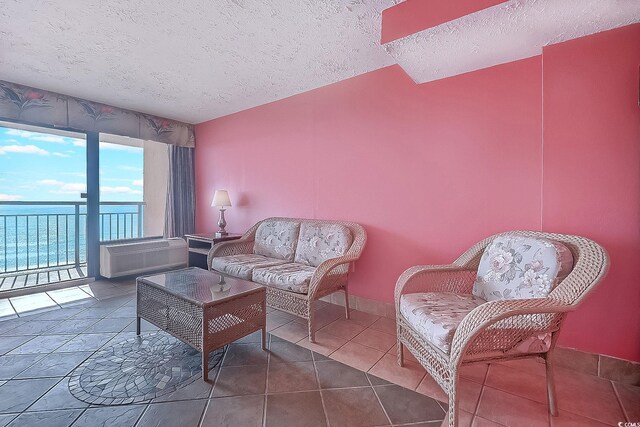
306, 241
277, 238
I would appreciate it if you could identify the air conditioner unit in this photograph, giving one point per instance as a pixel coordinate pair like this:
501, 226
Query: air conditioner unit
125, 259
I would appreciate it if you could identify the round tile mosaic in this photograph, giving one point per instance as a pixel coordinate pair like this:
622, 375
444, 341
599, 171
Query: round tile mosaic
138, 369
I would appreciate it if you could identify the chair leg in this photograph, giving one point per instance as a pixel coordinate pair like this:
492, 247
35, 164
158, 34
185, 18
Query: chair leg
312, 332
551, 390
346, 302
453, 404
400, 354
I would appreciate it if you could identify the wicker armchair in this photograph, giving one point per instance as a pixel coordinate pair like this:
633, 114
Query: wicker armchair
487, 332
329, 277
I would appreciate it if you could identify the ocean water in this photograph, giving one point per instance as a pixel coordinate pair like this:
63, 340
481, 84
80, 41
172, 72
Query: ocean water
45, 236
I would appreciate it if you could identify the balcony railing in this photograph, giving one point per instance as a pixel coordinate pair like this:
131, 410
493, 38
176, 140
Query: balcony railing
38, 235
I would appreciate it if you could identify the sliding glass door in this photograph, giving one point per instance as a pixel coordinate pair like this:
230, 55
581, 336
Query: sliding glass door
43, 207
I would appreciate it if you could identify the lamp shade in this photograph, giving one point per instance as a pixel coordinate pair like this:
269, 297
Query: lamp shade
221, 199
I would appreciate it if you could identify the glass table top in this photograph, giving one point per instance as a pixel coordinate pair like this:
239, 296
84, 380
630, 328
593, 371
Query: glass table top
200, 286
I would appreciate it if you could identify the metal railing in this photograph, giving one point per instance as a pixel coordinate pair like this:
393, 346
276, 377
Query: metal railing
51, 234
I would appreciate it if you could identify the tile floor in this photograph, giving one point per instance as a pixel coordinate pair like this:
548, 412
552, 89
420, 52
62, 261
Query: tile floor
307, 384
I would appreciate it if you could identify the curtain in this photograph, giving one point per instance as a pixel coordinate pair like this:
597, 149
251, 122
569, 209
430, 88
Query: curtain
40, 107
180, 217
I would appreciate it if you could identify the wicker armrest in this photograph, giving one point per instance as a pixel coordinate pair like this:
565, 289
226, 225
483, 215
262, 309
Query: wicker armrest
487, 314
233, 247
435, 278
327, 267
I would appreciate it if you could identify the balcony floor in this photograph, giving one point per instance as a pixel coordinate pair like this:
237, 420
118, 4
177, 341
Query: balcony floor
26, 279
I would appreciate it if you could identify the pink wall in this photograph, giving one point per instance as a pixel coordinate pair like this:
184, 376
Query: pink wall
427, 169
592, 176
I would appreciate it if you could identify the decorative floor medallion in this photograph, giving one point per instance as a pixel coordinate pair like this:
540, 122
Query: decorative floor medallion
138, 369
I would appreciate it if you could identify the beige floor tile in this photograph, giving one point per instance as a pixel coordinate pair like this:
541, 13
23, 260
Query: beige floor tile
483, 422
375, 339
325, 316
293, 332
408, 356
464, 419
533, 366
357, 356
517, 380
476, 372
362, 318
275, 319
630, 399
589, 396
510, 410
385, 325
408, 376
325, 343
567, 419
346, 329
468, 392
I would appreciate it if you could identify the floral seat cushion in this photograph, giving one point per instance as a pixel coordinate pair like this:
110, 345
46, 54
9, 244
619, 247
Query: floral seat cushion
319, 242
289, 277
517, 267
436, 315
242, 266
277, 239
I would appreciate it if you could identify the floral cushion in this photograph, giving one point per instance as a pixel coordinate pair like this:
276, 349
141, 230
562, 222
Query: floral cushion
517, 267
277, 239
436, 315
289, 277
242, 266
320, 242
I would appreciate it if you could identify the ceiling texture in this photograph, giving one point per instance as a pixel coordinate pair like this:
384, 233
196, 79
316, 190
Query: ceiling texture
195, 60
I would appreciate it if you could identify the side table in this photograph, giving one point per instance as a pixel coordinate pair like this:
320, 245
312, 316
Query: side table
200, 244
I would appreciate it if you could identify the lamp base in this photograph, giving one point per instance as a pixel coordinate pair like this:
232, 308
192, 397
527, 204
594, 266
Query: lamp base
221, 234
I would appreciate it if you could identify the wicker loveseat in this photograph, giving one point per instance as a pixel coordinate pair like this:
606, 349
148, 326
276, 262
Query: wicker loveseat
505, 298
298, 260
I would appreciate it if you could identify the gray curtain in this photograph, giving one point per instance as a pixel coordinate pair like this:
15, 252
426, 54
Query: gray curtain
180, 216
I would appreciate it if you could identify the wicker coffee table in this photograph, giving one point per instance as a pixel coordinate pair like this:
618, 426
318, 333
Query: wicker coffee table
203, 309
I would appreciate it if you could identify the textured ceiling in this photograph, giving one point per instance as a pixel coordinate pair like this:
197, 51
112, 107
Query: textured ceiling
190, 60
193, 60
514, 30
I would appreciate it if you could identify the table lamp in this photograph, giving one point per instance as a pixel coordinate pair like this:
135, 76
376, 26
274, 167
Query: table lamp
221, 200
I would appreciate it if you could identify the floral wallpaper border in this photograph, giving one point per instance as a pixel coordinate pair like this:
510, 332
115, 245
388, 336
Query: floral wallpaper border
40, 107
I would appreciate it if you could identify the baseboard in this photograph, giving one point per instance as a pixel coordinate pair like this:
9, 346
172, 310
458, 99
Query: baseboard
600, 365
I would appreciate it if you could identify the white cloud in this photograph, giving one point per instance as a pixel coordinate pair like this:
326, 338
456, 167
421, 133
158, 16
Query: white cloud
50, 182
24, 149
9, 197
138, 182
36, 136
60, 155
70, 188
79, 142
119, 190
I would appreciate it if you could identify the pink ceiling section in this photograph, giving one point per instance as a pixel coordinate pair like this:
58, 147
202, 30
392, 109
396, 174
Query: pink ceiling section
431, 169
412, 16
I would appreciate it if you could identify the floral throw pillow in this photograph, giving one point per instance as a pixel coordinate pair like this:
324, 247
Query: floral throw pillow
517, 267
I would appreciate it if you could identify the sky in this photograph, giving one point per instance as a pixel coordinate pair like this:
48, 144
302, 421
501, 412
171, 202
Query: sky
45, 167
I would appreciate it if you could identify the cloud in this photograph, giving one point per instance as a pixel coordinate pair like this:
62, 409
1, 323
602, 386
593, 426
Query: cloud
119, 190
138, 182
108, 146
60, 155
36, 136
69, 188
24, 149
50, 182
9, 197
